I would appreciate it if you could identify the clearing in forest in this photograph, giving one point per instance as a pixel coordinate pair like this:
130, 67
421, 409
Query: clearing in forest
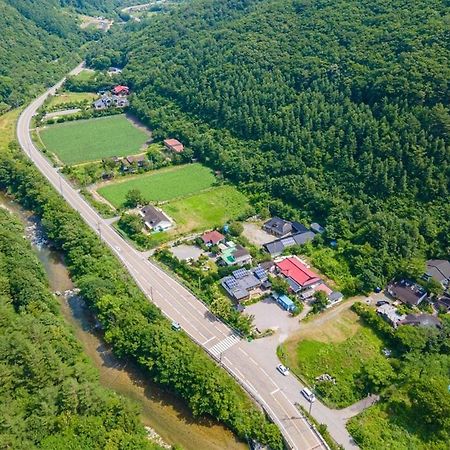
93, 139
161, 185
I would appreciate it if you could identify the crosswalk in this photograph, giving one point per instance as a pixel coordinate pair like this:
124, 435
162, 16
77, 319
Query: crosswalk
224, 344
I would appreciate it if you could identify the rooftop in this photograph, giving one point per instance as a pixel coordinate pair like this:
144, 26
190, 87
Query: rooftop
407, 292
212, 237
293, 268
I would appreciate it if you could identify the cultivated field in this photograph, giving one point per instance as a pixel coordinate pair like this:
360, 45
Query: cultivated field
161, 185
340, 347
93, 139
70, 97
207, 209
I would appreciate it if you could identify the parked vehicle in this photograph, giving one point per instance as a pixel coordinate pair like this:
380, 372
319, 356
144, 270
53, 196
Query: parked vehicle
176, 326
283, 369
308, 395
382, 302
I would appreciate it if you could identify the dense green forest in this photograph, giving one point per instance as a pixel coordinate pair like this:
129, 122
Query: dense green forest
39, 42
327, 110
415, 409
133, 326
50, 397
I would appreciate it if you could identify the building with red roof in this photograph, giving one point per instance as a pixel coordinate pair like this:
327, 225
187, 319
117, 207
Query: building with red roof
292, 268
212, 238
120, 90
174, 145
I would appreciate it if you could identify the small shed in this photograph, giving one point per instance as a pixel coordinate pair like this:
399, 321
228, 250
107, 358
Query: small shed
284, 301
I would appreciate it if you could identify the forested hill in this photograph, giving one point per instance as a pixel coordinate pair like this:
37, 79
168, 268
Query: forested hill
337, 108
37, 43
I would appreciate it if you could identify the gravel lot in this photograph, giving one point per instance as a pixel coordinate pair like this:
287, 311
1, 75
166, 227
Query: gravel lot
183, 252
256, 235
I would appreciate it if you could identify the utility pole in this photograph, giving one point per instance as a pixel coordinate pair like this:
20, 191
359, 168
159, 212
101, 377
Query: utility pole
99, 229
60, 184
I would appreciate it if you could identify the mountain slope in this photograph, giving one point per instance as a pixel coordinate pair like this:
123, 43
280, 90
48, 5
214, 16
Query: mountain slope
37, 45
337, 108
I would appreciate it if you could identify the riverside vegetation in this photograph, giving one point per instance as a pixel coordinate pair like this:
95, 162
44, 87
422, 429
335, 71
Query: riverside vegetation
50, 396
132, 325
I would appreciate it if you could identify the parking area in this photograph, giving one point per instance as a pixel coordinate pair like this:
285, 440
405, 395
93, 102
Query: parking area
255, 234
184, 252
269, 314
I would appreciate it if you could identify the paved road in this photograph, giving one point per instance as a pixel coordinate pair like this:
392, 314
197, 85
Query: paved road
251, 364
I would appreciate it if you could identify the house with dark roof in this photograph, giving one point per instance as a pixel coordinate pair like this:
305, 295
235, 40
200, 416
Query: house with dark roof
174, 145
213, 237
243, 283
438, 270
277, 227
443, 303
155, 219
407, 292
297, 273
278, 246
298, 227
422, 320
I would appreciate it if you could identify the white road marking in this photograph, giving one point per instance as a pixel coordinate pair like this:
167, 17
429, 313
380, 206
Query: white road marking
275, 391
224, 344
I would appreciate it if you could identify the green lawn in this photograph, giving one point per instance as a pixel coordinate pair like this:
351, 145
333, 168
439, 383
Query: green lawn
93, 139
341, 350
161, 185
207, 209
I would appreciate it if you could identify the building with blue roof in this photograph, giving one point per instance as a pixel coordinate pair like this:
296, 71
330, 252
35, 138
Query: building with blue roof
284, 301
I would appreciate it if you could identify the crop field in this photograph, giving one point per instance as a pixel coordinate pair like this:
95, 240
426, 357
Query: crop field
206, 209
70, 97
339, 347
93, 139
161, 185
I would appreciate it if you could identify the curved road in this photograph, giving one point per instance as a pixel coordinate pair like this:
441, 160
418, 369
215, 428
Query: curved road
250, 363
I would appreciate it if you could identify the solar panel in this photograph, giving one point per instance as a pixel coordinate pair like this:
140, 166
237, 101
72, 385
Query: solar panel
288, 241
240, 273
260, 272
231, 283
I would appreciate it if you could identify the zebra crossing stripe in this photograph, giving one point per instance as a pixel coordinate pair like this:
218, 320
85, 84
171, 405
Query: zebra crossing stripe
225, 344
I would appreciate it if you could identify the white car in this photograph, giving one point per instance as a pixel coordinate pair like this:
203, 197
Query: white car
176, 326
283, 369
308, 395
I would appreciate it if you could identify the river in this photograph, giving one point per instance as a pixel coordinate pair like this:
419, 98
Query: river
160, 410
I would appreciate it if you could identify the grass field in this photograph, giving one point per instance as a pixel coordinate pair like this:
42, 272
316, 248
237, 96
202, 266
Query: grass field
161, 185
8, 127
339, 346
93, 139
207, 209
70, 97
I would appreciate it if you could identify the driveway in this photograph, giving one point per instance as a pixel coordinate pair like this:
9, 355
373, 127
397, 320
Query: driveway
184, 252
268, 314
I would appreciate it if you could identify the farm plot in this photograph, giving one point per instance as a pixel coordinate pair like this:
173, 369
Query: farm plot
207, 209
70, 97
93, 139
161, 185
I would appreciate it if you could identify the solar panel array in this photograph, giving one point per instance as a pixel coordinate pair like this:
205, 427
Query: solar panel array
231, 282
260, 272
240, 273
288, 241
